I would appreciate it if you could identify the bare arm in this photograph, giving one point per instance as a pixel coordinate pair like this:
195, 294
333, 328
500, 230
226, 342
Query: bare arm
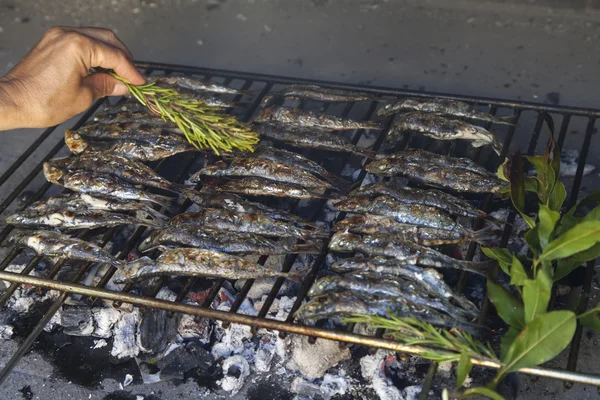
52, 83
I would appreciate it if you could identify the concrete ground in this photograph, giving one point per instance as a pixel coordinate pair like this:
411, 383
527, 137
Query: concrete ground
544, 51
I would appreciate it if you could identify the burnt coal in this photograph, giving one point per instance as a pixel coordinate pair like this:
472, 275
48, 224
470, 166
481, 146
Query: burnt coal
125, 395
26, 392
157, 329
77, 321
183, 359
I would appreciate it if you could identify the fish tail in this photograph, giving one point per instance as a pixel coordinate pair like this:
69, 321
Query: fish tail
372, 125
306, 248
178, 187
508, 120
481, 236
298, 276
161, 200
338, 182
317, 234
483, 268
365, 153
154, 214
151, 223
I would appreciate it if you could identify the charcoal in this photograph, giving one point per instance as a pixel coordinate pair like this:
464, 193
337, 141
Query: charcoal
183, 359
157, 329
77, 321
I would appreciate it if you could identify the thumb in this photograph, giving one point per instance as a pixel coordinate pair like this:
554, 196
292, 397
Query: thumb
102, 85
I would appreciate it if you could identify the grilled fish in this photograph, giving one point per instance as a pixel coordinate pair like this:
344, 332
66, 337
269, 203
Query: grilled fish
114, 164
311, 139
233, 202
442, 107
260, 224
138, 116
262, 168
143, 131
364, 283
193, 84
100, 185
157, 149
425, 236
81, 202
197, 262
53, 244
403, 251
446, 172
317, 93
427, 278
264, 187
307, 119
297, 161
431, 197
441, 128
66, 219
225, 241
349, 303
411, 214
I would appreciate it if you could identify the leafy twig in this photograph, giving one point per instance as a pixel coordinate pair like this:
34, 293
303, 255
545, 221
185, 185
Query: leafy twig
205, 127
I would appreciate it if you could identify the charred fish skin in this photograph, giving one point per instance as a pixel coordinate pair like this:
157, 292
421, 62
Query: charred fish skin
384, 286
427, 278
311, 139
143, 150
425, 236
411, 214
441, 128
130, 130
233, 202
114, 164
54, 244
193, 84
253, 186
317, 93
430, 197
101, 185
196, 262
227, 242
432, 172
219, 219
442, 107
296, 160
307, 119
65, 219
134, 116
262, 168
403, 251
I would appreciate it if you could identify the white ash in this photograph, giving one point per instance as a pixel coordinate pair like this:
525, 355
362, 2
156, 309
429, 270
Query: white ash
194, 327
303, 356
125, 343
334, 385
233, 381
24, 298
265, 352
6, 331
569, 158
235, 340
445, 369
105, 319
166, 294
364, 329
413, 392
263, 286
99, 343
305, 389
371, 371
128, 380
54, 321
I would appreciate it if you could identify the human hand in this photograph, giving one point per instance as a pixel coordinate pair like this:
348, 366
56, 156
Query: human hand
52, 83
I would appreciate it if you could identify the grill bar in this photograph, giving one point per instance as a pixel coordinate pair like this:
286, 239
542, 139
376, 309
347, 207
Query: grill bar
267, 85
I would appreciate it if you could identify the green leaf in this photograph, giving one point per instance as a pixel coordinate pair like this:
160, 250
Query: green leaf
567, 222
463, 368
541, 340
509, 308
501, 172
517, 187
501, 255
548, 220
592, 198
507, 340
543, 171
532, 238
593, 215
517, 273
565, 266
591, 319
557, 196
536, 295
580, 237
482, 391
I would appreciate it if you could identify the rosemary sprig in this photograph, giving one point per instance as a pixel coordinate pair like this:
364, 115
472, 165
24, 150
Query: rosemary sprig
439, 345
203, 126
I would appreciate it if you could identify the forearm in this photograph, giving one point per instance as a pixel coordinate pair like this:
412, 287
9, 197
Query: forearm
11, 115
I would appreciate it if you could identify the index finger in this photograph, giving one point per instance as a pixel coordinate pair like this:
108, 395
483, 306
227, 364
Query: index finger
105, 35
109, 57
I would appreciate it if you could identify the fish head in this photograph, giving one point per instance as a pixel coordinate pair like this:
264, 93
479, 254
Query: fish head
350, 204
266, 114
75, 142
343, 241
323, 285
127, 272
53, 173
331, 305
354, 221
16, 236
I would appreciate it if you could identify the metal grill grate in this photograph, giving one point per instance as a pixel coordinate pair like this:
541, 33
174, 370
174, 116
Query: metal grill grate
524, 135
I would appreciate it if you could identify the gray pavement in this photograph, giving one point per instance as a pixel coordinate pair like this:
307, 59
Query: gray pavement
544, 51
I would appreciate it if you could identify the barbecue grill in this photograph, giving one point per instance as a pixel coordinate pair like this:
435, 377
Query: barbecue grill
525, 135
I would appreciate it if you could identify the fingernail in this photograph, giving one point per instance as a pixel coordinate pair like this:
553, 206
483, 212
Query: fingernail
119, 90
